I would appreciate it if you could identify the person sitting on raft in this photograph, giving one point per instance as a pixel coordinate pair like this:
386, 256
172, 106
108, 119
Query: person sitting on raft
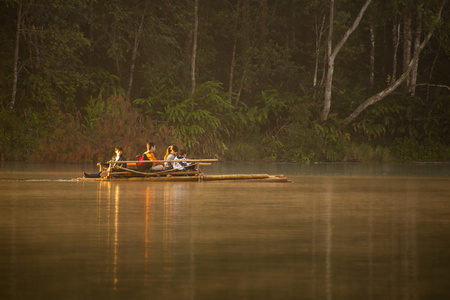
171, 153
181, 162
112, 167
149, 155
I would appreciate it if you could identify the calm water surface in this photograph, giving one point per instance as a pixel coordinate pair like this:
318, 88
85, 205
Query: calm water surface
337, 232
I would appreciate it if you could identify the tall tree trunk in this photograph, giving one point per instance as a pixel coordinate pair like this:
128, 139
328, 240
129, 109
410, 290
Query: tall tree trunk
414, 72
16, 57
372, 53
432, 69
233, 63
38, 43
407, 38
263, 41
35, 42
324, 68
241, 86
194, 49
319, 33
330, 68
245, 44
115, 55
293, 41
332, 57
396, 43
137, 38
378, 97
233, 55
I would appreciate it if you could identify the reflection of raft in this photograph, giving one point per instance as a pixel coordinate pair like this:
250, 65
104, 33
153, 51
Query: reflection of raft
193, 173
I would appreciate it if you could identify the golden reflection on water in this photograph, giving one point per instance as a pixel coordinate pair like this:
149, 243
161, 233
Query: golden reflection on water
329, 240
321, 238
116, 233
149, 220
325, 209
167, 231
382, 220
110, 227
402, 245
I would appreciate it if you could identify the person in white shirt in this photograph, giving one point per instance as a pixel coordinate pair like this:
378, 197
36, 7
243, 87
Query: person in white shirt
171, 154
181, 162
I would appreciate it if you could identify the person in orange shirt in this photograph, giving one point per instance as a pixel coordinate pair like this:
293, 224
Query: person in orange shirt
149, 155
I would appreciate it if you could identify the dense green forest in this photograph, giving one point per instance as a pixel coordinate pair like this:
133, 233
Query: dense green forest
282, 80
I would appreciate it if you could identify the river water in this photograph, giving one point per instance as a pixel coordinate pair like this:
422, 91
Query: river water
338, 231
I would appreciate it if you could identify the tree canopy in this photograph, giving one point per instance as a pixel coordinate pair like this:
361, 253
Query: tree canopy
294, 80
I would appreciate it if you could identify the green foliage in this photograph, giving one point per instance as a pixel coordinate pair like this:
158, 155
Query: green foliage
5, 134
105, 84
199, 122
295, 135
75, 63
333, 143
410, 149
428, 118
94, 110
53, 73
363, 153
92, 136
248, 150
19, 133
420, 117
271, 107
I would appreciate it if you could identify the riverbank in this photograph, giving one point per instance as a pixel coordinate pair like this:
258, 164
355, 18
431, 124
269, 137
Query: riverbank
73, 138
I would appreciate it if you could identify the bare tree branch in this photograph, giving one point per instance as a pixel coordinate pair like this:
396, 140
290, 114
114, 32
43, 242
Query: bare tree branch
434, 85
334, 53
378, 97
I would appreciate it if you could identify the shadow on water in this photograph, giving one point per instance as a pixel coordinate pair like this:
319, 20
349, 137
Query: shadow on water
337, 232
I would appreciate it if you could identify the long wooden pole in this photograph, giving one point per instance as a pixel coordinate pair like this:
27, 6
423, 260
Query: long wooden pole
145, 173
160, 161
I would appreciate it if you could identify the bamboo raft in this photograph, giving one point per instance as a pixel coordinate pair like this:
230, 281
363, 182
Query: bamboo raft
176, 175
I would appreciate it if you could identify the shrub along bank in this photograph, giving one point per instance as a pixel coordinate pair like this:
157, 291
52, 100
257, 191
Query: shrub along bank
207, 125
